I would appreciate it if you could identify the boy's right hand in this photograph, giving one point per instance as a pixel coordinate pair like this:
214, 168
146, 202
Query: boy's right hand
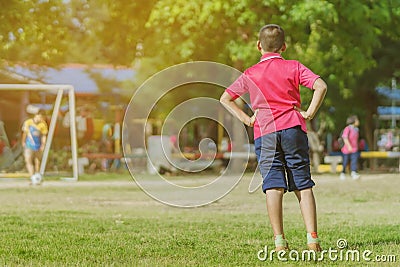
252, 119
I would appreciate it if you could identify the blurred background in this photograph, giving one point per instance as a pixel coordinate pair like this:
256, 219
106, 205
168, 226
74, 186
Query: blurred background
107, 49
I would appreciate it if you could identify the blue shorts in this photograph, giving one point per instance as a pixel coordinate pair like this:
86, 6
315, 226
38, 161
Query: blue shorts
284, 160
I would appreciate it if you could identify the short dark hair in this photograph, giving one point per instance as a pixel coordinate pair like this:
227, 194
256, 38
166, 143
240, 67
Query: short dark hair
41, 112
271, 37
352, 119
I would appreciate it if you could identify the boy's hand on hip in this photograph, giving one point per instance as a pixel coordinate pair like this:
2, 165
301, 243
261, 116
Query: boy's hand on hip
303, 113
252, 119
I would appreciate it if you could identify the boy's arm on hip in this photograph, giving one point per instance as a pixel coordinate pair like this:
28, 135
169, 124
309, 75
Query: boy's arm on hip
229, 103
320, 88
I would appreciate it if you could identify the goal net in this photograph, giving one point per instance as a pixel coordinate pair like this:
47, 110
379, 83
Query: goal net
10, 149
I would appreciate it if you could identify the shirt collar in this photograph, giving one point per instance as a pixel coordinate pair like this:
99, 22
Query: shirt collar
268, 56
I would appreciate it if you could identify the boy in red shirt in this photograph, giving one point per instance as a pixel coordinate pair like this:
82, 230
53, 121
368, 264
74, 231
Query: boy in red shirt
280, 128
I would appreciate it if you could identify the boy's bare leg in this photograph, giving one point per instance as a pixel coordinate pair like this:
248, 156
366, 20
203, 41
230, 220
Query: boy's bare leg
37, 164
309, 212
274, 208
308, 208
275, 212
29, 165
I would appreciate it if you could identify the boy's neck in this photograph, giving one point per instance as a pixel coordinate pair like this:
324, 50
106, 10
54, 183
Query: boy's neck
269, 52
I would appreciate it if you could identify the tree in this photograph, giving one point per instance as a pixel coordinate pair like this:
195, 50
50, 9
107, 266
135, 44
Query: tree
344, 41
123, 30
50, 33
33, 31
352, 44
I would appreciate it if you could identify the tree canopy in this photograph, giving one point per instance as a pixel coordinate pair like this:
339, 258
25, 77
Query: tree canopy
353, 45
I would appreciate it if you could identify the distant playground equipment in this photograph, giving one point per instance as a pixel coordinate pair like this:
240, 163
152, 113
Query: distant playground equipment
99, 138
199, 144
391, 113
197, 147
107, 155
163, 158
386, 140
386, 146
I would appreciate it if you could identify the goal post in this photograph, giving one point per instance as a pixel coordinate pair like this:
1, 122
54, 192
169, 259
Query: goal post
59, 89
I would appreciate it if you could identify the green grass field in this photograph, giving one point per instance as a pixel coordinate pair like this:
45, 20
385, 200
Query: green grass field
106, 220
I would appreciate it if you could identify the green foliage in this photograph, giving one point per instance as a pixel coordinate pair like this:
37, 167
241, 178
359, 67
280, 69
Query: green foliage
353, 45
55, 32
33, 31
121, 30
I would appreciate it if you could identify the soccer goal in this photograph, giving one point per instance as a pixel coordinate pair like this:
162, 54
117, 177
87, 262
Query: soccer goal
60, 91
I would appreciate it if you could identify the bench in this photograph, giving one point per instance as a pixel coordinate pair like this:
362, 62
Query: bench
101, 156
238, 155
82, 162
334, 160
380, 155
84, 159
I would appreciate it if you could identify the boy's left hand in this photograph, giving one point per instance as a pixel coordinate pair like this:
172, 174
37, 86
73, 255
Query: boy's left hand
303, 113
253, 119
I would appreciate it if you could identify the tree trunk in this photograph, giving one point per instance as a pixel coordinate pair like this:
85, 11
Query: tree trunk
370, 104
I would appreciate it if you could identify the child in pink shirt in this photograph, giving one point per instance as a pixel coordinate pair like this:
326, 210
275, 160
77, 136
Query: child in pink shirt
350, 153
280, 128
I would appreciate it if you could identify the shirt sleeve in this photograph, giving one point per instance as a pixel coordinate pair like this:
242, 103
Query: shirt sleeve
307, 78
43, 128
25, 126
346, 132
238, 87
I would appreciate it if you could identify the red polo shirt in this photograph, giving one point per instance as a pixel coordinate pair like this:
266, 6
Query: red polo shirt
273, 85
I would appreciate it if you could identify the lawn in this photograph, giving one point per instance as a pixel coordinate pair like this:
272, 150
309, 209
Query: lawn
106, 220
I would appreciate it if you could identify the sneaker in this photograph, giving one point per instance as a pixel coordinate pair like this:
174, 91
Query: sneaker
355, 175
315, 247
279, 248
342, 176
282, 245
